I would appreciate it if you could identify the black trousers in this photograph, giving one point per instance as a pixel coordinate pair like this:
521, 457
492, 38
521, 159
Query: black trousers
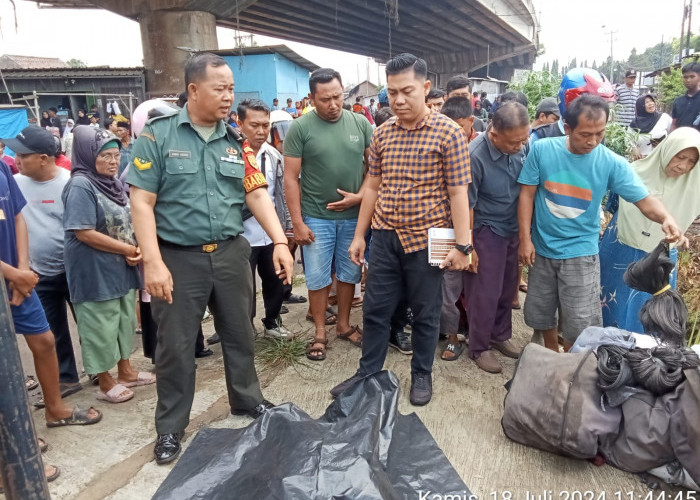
394, 274
221, 280
272, 286
149, 333
54, 296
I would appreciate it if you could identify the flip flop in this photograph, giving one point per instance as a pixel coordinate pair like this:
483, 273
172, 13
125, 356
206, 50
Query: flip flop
523, 288
357, 302
348, 334
43, 445
331, 318
68, 389
79, 417
143, 378
30, 383
456, 349
116, 394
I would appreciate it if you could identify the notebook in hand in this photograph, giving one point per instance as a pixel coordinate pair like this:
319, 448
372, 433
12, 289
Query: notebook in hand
440, 241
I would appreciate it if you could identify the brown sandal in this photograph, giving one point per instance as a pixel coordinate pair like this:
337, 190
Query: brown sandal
320, 351
348, 334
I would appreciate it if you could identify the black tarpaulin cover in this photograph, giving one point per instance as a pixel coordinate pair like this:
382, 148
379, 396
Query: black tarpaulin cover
361, 448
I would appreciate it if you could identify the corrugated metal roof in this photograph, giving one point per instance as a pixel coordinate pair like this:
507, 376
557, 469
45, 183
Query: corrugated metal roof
10, 61
270, 49
72, 73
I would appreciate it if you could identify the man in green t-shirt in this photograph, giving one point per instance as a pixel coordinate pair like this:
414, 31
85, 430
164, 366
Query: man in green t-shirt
324, 152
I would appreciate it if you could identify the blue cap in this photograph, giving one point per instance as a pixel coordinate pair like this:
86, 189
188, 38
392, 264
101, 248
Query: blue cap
383, 98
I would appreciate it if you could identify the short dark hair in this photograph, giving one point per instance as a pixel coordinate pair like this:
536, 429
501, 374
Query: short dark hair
53, 109
585, 103
371, 100
196, 66
289, 99
247, 104
123, 124
693, 67
182, 99
509, 116
323, 75
514, 96
457, 107
383, 115
484, 94
108, 121
457, 82
434, 94
275, 99
357, 99
404, 62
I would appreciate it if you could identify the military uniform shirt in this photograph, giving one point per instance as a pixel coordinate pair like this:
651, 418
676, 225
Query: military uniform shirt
200, 185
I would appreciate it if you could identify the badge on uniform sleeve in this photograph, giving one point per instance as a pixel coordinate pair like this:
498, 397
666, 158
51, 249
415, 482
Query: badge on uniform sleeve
253, 178
142, 164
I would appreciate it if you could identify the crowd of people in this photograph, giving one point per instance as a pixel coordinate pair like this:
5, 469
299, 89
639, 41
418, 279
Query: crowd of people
177, 216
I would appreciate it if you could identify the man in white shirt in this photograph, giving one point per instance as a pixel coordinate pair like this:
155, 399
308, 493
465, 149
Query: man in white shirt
254, 122
41, 182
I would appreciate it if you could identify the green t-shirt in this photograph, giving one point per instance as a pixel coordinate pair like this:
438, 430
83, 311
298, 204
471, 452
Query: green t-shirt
331, 158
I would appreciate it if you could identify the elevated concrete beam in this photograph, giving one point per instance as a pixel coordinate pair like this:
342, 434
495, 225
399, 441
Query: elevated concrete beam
162, 32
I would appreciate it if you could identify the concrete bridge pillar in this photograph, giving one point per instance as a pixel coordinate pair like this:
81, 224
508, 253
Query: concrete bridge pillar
168, 36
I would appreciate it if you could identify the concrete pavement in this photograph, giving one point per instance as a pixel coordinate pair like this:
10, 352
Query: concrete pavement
114, 459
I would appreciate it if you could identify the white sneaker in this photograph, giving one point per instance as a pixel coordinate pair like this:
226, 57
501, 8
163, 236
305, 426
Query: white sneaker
279, 332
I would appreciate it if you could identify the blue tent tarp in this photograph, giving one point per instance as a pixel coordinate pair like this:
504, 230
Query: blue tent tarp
12, 121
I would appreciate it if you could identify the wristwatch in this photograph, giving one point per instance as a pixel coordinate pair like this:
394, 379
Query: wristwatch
465, 249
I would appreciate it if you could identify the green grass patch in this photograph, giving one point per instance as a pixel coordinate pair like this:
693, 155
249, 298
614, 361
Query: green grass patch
272, 353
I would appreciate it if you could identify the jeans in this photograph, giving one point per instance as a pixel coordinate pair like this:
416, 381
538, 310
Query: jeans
394, 274
330, 246
53, 293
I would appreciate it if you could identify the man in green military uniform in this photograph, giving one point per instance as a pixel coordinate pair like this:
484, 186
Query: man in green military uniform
190, 177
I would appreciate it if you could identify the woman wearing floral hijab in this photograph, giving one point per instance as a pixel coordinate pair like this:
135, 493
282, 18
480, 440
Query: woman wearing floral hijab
671, 174
100, 257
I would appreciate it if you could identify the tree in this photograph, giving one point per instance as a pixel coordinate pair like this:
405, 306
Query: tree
573, 63
76, 63
555, 67
670, 87
536, 85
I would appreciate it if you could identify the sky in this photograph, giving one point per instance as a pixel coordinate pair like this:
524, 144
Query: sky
568, 29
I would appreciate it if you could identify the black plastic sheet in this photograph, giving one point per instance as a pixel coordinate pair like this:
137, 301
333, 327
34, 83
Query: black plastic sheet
361, 448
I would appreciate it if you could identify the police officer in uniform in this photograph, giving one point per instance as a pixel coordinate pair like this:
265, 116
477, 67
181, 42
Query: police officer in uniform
189, 177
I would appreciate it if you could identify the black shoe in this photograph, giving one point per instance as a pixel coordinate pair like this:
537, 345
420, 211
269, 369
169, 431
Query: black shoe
338, 389
284, 310
421, 389
214, 339
203, 353
167, 447
401, 341
256, 411
295, 299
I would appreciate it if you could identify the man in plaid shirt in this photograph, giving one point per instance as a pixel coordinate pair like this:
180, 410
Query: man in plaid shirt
417, 179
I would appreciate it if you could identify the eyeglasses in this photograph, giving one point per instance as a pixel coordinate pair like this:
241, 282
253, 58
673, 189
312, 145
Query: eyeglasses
109, 156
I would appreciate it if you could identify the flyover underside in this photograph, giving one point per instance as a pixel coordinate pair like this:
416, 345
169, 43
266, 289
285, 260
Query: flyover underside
364, 27
452, 35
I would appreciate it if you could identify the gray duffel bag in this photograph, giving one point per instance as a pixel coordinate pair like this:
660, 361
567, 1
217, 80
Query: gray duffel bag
553, 403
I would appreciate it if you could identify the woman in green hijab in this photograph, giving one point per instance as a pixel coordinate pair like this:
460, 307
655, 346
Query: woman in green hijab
671, 174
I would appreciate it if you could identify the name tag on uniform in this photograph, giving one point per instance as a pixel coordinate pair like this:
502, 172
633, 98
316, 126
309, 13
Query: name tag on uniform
232, 159
179, 154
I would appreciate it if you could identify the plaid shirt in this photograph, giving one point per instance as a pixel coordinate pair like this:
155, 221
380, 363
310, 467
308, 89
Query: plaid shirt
416, 166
